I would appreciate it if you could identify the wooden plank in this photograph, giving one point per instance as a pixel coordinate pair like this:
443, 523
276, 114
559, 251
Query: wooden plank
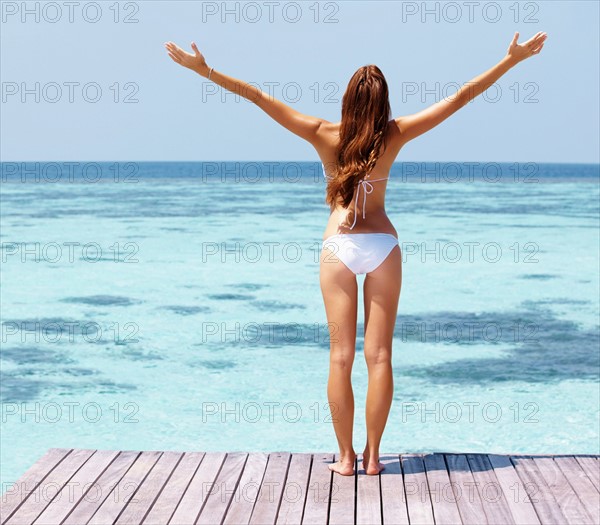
467, 496
494, 500
271, 489
443, 499
97, 493
220, 496
139, 506
195, 496
368, 498
517, 498
546, 506
52, 484
582, 486
72, 493
591, 467
418, 500
320, 490
125, 489
245, 496
393, 499
18, 492
295, 490
341, 505
164, 507
562, 491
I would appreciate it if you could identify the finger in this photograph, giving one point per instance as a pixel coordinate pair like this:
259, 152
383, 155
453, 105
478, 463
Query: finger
538, 46
184, 54
540, 37
534, 38
515, 38
175, 49
174, 58
177, 52
536, 51
195, 48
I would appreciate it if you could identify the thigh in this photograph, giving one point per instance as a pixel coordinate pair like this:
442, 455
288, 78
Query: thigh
381, 296
340, 295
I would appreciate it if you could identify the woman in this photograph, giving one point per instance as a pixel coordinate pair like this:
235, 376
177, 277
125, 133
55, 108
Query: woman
358, 153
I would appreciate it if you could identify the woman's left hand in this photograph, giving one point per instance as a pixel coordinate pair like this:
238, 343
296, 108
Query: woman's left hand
194, 62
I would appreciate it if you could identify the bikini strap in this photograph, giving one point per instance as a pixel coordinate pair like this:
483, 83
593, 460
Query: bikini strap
367, 188
325, 174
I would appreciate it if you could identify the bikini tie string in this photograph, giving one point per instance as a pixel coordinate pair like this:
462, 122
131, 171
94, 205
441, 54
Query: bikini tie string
367, 188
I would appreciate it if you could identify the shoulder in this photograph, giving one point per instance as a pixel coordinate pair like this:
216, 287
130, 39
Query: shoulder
394, 129
396, 137
330, 131
329, 138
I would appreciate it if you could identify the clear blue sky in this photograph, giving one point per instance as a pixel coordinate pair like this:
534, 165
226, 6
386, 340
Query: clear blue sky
318, 53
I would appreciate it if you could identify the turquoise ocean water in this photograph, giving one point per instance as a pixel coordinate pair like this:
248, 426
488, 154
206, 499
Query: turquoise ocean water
176, 306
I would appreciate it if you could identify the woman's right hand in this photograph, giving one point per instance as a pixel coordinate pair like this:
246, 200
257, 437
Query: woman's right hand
533, 46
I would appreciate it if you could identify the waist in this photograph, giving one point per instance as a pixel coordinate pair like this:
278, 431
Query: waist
376, 221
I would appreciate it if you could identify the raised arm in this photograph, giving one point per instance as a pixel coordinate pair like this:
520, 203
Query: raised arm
305, 126
411, 126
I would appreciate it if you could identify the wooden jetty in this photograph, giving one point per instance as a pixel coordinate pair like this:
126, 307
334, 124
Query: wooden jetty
79, 486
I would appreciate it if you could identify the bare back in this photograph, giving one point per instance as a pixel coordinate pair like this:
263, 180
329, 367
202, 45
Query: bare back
376, 220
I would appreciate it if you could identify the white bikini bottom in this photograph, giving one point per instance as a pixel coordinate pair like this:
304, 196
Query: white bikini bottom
360, 252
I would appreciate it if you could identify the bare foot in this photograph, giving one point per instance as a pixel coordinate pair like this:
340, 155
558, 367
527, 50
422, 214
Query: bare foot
344, 467
371, 468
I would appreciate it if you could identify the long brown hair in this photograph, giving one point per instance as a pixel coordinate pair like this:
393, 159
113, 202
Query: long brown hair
365, 114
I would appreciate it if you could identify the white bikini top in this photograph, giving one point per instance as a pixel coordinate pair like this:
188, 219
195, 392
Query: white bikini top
367, 188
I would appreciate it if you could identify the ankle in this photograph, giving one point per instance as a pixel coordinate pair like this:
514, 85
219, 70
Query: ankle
371, 455
347, 456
